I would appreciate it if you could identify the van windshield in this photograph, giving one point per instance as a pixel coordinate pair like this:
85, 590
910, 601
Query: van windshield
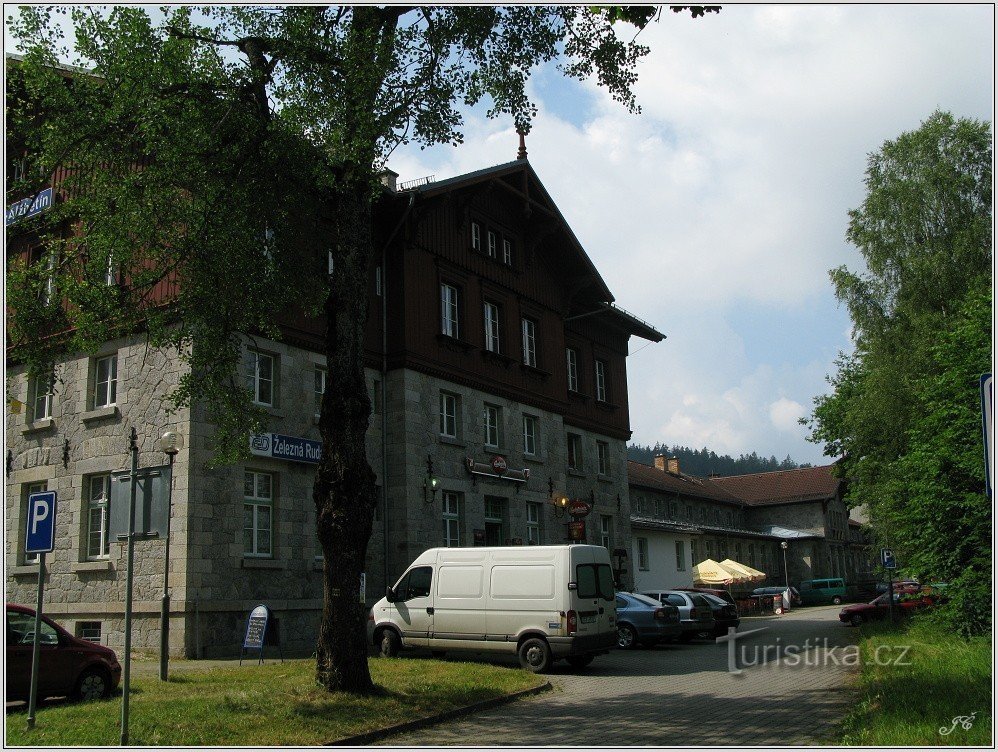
595, 580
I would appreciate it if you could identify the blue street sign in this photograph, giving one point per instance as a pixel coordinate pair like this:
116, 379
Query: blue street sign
41, 523
887, 559
290, 448
29, 207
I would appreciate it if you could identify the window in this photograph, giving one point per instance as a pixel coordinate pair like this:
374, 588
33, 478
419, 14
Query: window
689, 512
258, 501
449, 323
98, 490
452, 518
89, 630
528, 329
600, 381
28, 490
507, 252
448, 415
680, 556
415, 584
574, 451
476, 236
602, 454
492, 244
673, 510
533, 523
319, 377
693, 549
491, 327
495, 513
260, 377
573, 369
40, 389
493, 425
111, 272
105, 381
605, 531
529, 435
643, 554
38, 255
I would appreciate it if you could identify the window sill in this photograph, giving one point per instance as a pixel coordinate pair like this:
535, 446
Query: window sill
534, 372
27, 569
41, 424
605, 478
576, 473
452, 343
101, 413
608, 406
535, 458
451, 441
577, 396
93, 566
503, 360
253, 563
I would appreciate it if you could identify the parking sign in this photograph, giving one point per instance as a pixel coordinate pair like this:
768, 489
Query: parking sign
40, 537
887, 559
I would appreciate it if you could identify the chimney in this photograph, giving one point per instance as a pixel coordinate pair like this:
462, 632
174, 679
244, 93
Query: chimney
389, 179
674, 465
660, 462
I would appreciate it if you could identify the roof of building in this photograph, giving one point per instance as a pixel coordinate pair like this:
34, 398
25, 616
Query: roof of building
687, 485
781, 486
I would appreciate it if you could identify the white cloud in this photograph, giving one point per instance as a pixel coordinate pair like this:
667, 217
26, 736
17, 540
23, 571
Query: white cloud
785, 413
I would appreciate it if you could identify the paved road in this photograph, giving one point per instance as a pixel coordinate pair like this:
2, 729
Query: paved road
683, 694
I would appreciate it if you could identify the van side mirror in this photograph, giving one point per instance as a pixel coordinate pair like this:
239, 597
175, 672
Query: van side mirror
390, 595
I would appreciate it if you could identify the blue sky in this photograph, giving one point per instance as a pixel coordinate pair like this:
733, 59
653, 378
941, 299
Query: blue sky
717, 213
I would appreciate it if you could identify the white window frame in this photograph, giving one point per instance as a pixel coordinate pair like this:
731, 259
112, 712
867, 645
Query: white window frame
40, 402
493, 244
533, 517
451, 518
600, 369
257, 501
642, 554
492, 421
573, 444
476, 236
507, 252
257, 383
85, 630
680, 556
528, 330
450, 323
491, 315
572, 363
606, 531
448, 404
602, 457
109, 381
319, 379
530, 423
97, 517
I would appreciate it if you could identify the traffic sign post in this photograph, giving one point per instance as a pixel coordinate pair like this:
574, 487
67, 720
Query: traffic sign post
888, 562
39, 539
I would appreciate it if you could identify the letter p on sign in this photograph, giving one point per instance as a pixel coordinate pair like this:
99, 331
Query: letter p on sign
41, 523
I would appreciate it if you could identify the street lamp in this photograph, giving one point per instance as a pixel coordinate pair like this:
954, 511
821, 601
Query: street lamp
171, 443
786, 576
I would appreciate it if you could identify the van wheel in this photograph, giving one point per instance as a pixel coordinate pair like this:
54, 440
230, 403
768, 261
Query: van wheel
627, 638
93, 685
535, 655
580, 661
389, 644
836, 601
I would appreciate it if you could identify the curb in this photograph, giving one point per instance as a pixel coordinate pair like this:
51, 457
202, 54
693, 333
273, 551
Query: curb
364, 739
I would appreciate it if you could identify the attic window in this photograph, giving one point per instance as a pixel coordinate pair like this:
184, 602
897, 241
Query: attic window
507, 252
476, 236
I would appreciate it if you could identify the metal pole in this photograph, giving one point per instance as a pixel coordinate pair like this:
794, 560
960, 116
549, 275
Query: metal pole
133, 482
786, 574
33, 696
164, 613
890, 594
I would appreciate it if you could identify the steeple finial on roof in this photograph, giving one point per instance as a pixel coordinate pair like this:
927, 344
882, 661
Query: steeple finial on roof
522, 151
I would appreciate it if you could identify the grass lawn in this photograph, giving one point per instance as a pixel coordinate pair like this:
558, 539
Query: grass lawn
907, 705
272, 704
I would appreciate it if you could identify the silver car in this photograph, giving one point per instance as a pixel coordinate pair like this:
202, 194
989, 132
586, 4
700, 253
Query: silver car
695, 614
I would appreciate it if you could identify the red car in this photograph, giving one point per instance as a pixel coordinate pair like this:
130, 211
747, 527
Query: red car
906, 600
67, 665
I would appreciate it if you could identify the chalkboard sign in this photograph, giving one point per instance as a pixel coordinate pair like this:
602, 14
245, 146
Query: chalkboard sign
256, 633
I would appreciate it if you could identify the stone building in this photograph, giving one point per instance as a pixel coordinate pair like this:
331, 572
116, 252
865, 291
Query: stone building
496, 363
679, 520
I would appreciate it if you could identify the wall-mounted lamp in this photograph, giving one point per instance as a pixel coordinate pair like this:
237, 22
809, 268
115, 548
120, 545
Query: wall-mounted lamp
429, 481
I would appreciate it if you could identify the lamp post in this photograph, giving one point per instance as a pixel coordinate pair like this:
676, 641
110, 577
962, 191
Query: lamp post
786, 576
171, 443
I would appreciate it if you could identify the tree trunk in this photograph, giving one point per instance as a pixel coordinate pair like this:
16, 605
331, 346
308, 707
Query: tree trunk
345, 490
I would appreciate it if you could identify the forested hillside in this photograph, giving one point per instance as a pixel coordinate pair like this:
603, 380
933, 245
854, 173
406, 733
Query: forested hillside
703, 462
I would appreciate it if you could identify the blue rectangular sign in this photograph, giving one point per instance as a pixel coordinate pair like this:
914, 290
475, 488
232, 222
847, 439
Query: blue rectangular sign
887, 559
291, 448
29, 207
41, 523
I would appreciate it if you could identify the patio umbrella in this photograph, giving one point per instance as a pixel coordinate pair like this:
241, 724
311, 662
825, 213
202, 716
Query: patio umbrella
709, 572
751, 575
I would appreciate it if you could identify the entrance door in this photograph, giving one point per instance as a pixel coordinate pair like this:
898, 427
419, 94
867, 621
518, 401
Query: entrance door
495, 515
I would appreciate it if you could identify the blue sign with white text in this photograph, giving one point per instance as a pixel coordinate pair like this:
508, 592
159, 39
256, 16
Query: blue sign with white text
41, 523
887, 559
29, 207
291, 448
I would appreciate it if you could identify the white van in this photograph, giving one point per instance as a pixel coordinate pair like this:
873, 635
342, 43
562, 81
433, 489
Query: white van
541, 602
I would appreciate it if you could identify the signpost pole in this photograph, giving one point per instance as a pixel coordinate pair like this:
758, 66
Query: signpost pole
133, 482
33, 696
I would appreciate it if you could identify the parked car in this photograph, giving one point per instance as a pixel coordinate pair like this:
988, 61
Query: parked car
643, 620
67, 665
725, 614
724, 595
771, 590
882, 586
906, 601
820, 592
695, 613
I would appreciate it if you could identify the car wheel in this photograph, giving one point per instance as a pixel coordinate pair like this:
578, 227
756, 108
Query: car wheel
627, 638
580, 661
855, 620
836, 601
535, 655
93, 684
389, 644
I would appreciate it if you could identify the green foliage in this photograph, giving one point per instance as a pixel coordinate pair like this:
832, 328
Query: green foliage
905, 410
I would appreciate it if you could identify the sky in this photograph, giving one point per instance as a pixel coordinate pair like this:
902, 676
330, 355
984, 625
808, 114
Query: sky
717, 213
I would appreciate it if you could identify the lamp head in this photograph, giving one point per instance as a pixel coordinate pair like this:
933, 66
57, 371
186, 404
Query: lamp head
171, 442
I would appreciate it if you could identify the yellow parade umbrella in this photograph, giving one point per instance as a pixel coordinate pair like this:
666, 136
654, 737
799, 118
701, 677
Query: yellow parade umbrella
751, 575
709, 572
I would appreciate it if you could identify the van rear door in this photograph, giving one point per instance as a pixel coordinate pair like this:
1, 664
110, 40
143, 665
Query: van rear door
593, 599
